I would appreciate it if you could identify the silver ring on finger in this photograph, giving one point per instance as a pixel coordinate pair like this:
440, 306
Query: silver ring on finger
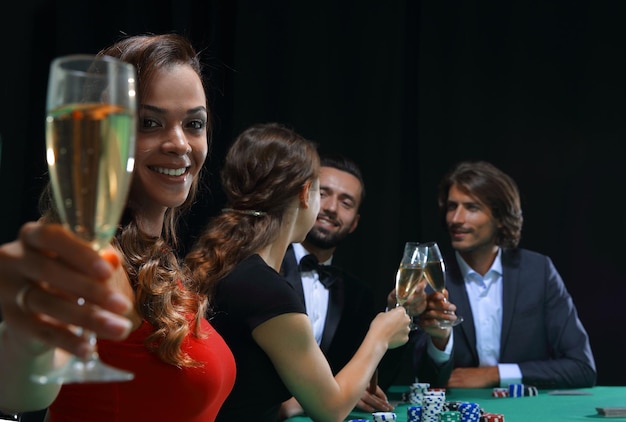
20, 298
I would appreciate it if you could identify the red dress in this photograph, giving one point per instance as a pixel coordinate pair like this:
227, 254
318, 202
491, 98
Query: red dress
159, 391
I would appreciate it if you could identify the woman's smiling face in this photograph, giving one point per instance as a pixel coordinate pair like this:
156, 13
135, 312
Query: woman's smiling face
172, 142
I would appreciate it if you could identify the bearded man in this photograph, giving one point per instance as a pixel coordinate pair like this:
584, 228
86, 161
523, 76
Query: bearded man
339, 305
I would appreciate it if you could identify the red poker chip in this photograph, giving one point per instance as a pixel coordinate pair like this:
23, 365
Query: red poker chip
500, 392
491, 417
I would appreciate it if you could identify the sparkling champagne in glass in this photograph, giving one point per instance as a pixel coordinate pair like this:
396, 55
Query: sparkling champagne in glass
435, 274
410, 272
91, 119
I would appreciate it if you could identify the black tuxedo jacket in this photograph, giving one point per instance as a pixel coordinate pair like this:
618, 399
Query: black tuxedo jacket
350, 311
541, 331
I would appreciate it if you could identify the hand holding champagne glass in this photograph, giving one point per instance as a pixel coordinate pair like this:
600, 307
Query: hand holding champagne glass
435, 274
90, 145
410, 272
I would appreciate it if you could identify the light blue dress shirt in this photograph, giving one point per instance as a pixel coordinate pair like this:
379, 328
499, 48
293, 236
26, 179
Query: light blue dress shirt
485, 297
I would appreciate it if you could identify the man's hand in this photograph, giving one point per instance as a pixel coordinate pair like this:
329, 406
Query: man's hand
438, 308
374, 402
485, 377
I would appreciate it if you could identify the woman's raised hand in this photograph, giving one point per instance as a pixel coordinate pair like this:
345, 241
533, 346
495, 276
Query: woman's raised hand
392, 325
51, 281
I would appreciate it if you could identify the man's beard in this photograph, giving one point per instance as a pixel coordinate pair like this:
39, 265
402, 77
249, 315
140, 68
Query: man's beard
323, 239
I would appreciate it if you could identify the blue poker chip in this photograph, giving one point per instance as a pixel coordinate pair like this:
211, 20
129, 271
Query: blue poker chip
414, 414
516, 390
470, 411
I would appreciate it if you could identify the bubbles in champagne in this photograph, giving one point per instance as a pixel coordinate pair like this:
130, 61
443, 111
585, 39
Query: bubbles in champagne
407, 279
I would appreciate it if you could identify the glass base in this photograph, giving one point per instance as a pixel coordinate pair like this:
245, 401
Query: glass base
446, 323
80, 371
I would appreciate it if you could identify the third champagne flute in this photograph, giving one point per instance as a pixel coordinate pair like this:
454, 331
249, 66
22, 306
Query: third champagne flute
435, 274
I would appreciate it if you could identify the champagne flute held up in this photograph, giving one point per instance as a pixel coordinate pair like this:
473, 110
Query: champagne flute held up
435, 274
91, 123
410, 272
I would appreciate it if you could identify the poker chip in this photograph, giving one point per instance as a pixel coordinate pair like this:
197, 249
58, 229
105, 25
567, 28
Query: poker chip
491, 417
530, 390
469, 411
451, 405
516, 390
434, 393
450, 416
414, 414
500, 392
383, 416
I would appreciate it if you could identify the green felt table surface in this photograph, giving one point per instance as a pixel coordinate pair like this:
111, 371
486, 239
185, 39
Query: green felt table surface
544, 407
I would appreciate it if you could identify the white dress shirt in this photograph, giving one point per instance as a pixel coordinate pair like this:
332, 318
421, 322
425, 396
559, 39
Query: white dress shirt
485, 297
315, 294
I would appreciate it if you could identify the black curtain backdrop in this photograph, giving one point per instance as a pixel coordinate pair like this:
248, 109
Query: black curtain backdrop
407, 89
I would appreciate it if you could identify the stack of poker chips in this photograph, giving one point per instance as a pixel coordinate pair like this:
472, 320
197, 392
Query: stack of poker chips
416, 392
500, 392
435, 408
383, 416
469, 411
466, 411
515, 390
432, 404
530, 390
414, 414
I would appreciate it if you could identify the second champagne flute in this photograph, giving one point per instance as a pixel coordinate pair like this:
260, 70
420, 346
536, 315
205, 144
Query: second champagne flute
435, 274
91, 125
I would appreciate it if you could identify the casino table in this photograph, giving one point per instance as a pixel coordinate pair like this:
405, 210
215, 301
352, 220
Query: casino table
548, 406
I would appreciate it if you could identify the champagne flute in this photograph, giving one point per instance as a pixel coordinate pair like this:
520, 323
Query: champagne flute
435, 274
410, 272
91, 123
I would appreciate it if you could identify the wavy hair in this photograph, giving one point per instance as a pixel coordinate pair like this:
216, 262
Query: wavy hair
494, 188
265, 168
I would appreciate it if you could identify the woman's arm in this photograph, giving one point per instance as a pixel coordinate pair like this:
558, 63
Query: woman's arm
289, 342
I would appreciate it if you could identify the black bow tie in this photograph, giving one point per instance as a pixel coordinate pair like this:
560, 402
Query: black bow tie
310, 263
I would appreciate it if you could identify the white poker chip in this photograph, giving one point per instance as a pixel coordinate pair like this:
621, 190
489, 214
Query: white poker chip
383, 416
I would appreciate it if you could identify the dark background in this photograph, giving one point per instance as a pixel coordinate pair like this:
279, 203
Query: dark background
407, 89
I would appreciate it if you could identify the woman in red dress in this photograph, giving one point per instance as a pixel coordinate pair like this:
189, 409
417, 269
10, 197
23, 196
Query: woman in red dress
146, 312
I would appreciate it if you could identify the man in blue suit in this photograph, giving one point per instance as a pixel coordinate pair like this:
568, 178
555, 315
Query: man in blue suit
520, 323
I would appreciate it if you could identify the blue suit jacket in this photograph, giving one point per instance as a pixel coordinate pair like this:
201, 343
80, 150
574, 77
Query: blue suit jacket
350, 311
541, 331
